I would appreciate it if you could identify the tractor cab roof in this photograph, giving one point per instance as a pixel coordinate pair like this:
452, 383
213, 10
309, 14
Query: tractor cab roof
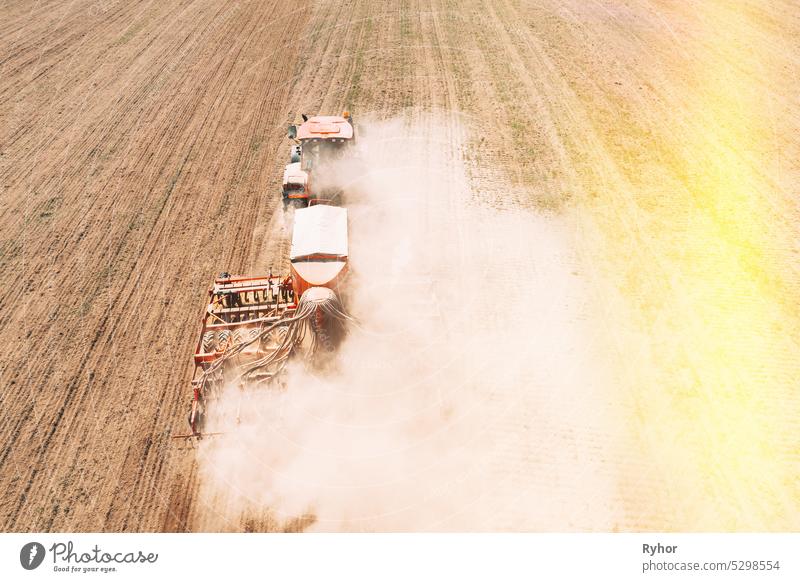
294, 173
325, 127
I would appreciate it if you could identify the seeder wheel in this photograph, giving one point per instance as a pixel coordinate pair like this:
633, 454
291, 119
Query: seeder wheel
199, 419
208, 342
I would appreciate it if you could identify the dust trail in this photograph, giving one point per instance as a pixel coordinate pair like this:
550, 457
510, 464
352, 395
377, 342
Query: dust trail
464, 400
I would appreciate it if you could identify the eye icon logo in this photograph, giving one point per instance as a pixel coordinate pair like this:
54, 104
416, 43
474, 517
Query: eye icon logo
31, 555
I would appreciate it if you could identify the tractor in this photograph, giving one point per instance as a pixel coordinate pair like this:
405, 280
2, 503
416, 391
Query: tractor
320, 142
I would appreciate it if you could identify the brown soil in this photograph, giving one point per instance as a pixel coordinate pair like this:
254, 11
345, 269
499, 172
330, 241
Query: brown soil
141, 148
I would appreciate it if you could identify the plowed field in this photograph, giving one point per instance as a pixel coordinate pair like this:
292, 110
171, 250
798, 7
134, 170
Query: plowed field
644, 155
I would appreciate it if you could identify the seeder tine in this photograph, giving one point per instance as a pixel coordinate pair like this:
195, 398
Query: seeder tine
193, 438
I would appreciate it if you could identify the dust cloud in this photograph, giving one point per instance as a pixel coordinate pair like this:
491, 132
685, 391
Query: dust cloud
462, 399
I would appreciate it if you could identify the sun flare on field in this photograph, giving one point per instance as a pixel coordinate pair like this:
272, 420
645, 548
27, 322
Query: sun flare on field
708, 330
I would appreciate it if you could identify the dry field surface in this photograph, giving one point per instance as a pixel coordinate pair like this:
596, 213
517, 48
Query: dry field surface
651, 146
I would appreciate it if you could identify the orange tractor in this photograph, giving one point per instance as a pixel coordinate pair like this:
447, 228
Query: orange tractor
321, 142
253, 325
